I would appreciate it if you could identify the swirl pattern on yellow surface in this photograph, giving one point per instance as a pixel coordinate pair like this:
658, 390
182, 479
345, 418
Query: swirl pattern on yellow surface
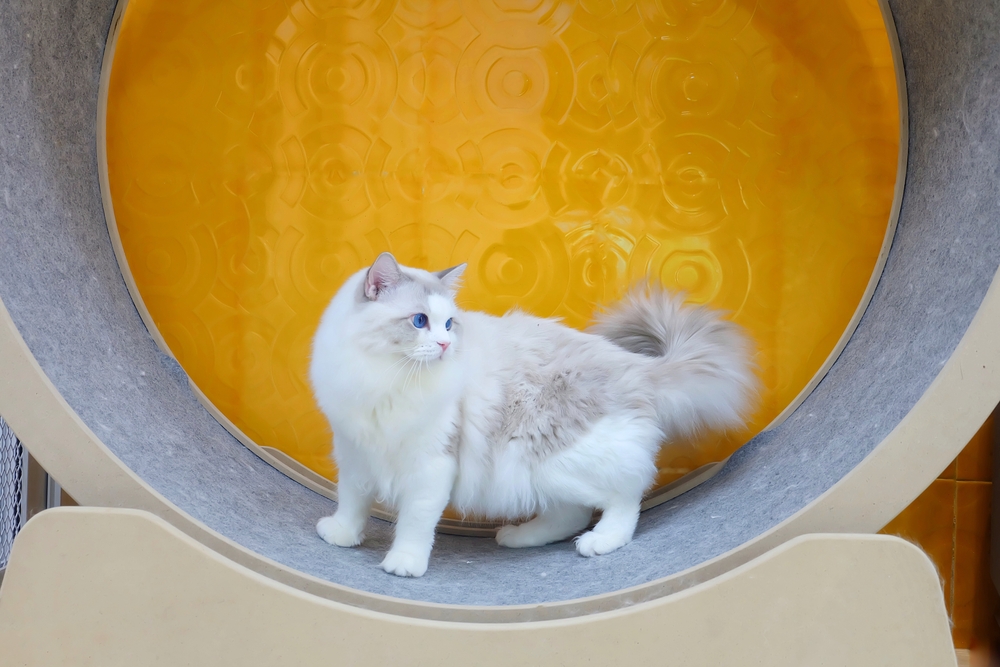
744, 151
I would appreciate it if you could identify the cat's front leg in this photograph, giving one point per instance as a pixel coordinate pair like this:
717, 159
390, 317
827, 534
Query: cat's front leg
420, 509
346, 527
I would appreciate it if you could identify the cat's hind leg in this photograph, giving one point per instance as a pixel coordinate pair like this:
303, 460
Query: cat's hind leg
614, 530
551, 525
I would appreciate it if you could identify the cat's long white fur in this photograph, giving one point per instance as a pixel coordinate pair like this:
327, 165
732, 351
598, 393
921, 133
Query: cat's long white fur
515, 416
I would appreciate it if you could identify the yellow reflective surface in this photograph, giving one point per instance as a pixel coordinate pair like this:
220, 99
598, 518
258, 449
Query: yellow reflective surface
258, 153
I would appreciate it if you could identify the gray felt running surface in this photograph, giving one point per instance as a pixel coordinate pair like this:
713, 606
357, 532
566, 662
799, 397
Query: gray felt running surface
61, 283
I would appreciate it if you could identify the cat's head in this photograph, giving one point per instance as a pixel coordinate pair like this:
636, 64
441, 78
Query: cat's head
409, 312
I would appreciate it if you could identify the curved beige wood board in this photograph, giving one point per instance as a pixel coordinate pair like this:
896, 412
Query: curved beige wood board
132, 589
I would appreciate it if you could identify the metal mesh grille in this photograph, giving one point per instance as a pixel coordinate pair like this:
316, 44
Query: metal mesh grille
11, 489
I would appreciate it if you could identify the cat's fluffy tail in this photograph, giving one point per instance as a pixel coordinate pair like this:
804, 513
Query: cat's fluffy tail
705, 377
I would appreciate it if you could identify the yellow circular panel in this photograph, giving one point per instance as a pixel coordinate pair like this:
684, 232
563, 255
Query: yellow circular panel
258, 153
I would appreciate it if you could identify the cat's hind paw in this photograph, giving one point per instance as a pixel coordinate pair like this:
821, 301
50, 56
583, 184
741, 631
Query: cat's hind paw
516, 537
592, 543
334, 532
404, 564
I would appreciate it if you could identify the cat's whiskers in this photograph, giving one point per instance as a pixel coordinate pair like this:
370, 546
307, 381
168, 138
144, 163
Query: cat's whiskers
409, 371
406, 365
421, 363
414, 373
398, 363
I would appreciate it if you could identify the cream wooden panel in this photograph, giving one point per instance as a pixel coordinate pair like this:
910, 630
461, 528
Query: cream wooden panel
123, 587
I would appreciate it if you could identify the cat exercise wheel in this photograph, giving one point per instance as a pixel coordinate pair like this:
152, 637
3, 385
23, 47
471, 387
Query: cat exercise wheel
114, 420
748, 155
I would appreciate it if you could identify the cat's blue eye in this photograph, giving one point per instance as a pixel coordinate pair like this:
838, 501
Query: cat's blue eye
447, 325
419, 320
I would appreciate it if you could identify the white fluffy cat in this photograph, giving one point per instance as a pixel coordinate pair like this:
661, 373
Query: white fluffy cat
511, 417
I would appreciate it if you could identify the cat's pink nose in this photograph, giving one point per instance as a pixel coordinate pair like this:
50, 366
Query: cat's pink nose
444, 346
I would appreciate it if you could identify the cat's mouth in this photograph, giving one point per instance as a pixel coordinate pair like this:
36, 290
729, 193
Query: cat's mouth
428, 354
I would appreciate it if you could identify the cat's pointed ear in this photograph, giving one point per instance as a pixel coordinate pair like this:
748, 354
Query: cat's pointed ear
450, 277
383, 275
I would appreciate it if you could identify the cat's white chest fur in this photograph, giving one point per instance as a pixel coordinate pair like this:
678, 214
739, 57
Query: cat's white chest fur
387, 416
394, 418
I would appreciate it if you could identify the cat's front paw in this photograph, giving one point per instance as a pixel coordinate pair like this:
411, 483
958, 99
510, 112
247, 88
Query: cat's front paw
595, 544
404, 564
334, 532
